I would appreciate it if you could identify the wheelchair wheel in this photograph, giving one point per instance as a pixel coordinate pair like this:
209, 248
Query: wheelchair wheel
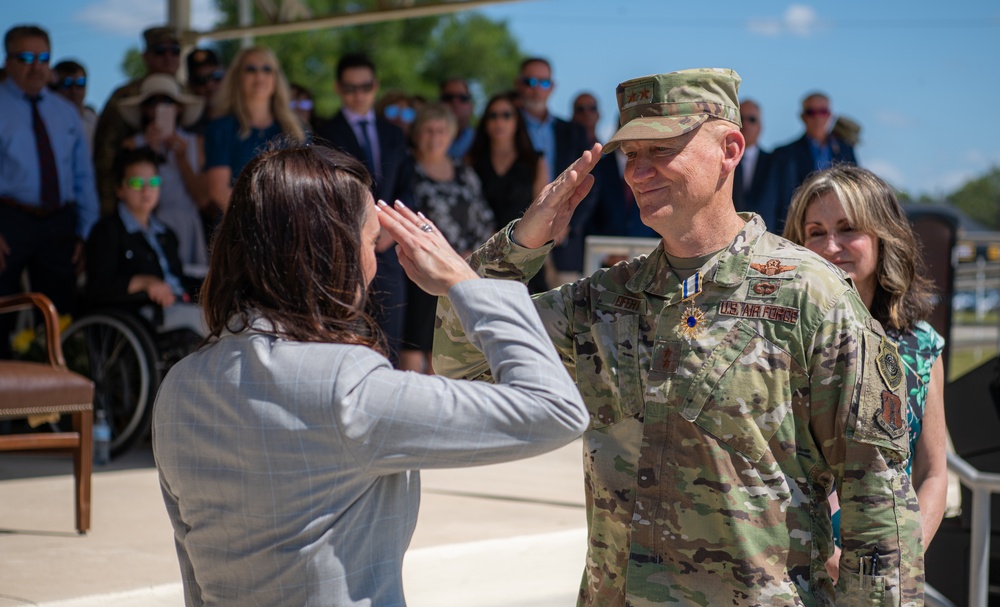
117, 353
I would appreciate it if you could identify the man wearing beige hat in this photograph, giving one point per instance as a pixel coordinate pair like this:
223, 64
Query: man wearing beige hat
161, 56
733, 379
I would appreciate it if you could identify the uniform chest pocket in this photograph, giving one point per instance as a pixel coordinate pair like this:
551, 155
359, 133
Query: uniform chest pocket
742, 392
607, 369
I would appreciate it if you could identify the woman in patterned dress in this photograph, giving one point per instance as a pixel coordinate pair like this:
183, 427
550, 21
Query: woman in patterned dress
450, 195
851, 218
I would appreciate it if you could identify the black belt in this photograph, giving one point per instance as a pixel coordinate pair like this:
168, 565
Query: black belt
33, 210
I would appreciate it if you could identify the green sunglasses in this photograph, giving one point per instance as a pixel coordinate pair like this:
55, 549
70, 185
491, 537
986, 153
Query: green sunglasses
137, 183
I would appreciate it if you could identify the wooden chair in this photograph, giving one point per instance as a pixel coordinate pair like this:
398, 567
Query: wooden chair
30, 388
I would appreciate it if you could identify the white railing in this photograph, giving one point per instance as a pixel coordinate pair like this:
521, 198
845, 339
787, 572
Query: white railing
982, 485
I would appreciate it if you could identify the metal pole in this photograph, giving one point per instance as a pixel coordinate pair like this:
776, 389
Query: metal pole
979, 555
245, 14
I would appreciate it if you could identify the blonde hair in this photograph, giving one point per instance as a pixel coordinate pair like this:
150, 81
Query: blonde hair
903, 295
434, 111
232, 101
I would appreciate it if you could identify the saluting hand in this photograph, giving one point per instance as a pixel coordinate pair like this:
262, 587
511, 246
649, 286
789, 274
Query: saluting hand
548, 216
425, 255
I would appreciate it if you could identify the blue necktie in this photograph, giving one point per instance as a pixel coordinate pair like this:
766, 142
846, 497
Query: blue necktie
366, 146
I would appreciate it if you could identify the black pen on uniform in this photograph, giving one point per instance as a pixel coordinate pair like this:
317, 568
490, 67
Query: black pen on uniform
875, 561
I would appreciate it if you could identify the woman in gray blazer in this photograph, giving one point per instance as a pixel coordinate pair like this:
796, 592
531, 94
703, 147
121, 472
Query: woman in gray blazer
288, 447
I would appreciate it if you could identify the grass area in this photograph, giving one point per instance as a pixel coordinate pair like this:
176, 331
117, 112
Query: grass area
968, 317
967, 358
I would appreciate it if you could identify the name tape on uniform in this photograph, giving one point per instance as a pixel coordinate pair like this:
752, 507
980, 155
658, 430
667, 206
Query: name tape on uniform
746, 309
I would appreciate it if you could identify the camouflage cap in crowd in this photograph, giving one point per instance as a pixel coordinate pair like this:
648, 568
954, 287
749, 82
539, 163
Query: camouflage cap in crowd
662, 106
160, 35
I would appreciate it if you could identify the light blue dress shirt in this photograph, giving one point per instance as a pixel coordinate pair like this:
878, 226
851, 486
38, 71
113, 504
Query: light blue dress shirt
19, 170
156, 227
543, 137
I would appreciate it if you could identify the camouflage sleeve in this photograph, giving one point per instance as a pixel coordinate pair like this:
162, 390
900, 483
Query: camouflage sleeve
110, 132
500, 258
858, 417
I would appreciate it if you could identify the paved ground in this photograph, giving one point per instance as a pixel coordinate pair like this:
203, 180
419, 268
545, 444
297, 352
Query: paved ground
511, 534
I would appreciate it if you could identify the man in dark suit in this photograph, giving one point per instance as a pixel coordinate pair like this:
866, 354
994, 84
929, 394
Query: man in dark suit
381, 145
750, 179
814, 151
560, 142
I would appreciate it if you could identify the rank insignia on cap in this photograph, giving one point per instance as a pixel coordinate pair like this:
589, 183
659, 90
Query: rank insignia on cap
772, 267
888, 363
890, 415
641, 92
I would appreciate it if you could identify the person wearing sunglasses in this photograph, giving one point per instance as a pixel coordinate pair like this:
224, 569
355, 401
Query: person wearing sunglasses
205, 73
161, 55
751, 176
304, 106
253, 108
69, 79
132, 258
561, 143
455, 93
814, 151
512, 173
47, 197
163, 113
358, 130
398, 108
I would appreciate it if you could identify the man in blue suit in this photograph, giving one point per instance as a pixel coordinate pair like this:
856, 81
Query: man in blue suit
750, 178
381, 145
560, 143
814, 151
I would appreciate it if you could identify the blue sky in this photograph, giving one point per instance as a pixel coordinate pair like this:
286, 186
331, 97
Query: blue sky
919, 76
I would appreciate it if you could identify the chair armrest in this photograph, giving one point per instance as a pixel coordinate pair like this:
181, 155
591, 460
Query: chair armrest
53, 345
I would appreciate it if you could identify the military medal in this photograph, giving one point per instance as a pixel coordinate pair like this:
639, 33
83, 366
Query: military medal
692, 320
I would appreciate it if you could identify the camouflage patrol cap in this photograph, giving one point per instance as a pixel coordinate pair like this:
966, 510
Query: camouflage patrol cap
160, 35
662, 106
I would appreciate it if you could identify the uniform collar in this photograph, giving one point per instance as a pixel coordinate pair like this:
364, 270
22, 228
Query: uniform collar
728, 269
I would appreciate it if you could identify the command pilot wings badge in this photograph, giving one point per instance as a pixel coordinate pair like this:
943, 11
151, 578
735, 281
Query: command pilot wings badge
771, 267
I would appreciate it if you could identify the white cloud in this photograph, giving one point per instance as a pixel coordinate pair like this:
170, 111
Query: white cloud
799, 20
129, 18
887, 171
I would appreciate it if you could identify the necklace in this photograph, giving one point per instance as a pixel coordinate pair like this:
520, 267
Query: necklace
692, 320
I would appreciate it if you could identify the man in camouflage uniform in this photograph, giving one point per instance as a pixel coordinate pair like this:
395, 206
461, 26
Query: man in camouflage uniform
161, 56
733, 379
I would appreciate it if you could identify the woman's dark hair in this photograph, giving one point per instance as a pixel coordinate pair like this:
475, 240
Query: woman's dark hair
289, 249
480, 148
127, 157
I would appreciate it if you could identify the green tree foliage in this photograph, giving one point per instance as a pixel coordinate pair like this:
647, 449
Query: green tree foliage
979, 198
132, 64
411, 55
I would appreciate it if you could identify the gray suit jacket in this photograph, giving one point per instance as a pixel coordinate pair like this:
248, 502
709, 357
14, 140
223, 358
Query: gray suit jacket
289, 469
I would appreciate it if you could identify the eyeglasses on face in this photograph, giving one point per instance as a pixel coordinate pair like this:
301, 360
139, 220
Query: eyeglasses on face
585, 108
215, 76
751, 119
161, 50
79, 82
28, 58
500, 115
301, 104
137, 183
451, 97
397, 112
353, 89
542, 83
823, 111
253, 69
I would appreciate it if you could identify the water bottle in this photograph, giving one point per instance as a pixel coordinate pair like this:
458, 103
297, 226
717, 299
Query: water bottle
102, 439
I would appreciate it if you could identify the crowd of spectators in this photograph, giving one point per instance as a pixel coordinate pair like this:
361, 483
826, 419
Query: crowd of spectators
472, 174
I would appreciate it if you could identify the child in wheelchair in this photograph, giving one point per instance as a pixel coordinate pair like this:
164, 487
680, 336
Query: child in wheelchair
132, 258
